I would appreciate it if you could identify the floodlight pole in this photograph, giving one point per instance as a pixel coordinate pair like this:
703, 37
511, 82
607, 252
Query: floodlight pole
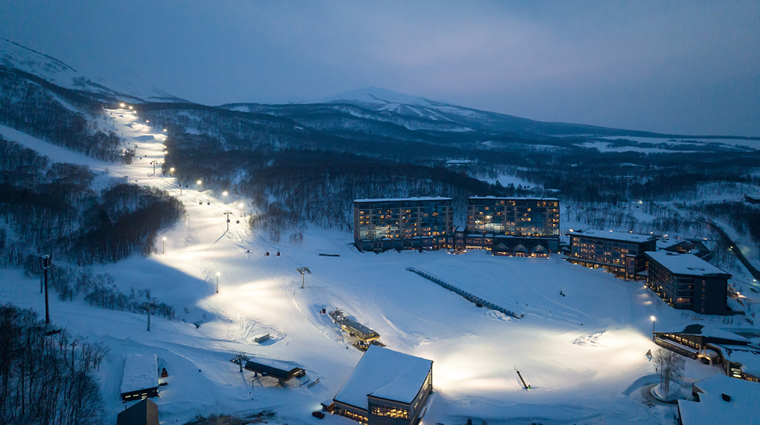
227, 213
45, 266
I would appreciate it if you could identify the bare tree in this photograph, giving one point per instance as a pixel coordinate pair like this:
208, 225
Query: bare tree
669, 366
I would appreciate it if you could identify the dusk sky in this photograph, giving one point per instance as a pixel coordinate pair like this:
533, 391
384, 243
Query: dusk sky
674, 67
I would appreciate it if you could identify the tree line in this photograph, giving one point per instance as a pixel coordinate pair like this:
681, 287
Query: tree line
47, 376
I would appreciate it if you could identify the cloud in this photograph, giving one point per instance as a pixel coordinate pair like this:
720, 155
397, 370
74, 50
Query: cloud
686, 67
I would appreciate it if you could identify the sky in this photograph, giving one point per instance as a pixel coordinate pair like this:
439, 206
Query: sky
688, 67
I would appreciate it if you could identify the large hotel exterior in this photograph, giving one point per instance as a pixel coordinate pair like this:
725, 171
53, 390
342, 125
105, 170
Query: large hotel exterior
521, 227
619, 253
685, 281
403, 223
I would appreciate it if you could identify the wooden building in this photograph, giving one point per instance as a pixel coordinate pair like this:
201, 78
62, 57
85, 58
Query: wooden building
144, 412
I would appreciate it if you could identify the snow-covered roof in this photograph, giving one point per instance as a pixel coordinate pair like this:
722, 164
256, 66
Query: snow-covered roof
711, 331
424, 198
512, 198
747, 355
713, 409
614, 236
385, 374
687, 264
140, 372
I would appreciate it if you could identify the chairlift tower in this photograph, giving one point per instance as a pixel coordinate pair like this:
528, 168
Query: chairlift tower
303, 271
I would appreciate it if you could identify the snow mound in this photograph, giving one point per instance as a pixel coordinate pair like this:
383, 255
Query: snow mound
595, 340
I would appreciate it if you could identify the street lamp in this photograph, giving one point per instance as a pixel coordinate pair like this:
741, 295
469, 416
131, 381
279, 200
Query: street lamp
241, 205
147, 121
122, 105
130, 107
163, 245
217, 281
171, 171
654, 319
225, 196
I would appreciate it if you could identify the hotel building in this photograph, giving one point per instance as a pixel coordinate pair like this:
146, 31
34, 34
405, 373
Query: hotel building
685, 281
403, 223
522, 227
619, 253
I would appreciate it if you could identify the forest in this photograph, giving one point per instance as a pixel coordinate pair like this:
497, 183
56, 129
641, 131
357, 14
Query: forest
47, 376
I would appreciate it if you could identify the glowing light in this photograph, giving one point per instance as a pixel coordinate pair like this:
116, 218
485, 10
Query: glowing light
130, 107
147, 121
225, 193
199, 182
164, 238
240, 205
164, 130
652, 318
122, 105
171, 170
218, 274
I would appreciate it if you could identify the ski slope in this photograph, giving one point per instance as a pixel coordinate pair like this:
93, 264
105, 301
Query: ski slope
582, 353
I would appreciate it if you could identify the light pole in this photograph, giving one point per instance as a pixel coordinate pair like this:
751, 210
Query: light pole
45, 263
199, 183
163, 245
654, 319
227, 213
225, 193
217, 281
241, 206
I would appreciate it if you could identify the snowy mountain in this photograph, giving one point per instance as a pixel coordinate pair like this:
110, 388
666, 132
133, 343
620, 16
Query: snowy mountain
130, 87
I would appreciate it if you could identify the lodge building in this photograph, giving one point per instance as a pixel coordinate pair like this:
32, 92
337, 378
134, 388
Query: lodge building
521, 227
403, 223
737, 356
685, 281
386, 388
619, 253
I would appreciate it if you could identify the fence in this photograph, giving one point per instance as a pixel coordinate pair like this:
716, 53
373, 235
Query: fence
464, 294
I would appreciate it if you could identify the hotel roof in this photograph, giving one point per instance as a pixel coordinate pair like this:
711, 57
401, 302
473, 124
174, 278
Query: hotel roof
687, 264
386, 374
614, 236
712, 408
424, 198
513, 198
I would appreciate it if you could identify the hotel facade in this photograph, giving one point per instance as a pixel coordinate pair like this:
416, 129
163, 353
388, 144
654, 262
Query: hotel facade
403, 223
685, 281
521, 227
619, 253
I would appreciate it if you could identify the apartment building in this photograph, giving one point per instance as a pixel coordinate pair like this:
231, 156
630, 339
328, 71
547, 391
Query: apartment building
685, 281
523, 227
403, 223
619, 253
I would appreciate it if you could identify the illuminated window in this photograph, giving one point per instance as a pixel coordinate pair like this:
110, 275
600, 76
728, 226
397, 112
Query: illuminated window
391, 412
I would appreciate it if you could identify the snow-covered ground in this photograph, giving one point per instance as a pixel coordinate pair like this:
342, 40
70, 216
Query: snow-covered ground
582, 353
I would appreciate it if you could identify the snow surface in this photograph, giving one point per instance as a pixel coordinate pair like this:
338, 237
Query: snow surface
687, 264
14, 55
380, 96
475, 350
712, 409
140, 373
